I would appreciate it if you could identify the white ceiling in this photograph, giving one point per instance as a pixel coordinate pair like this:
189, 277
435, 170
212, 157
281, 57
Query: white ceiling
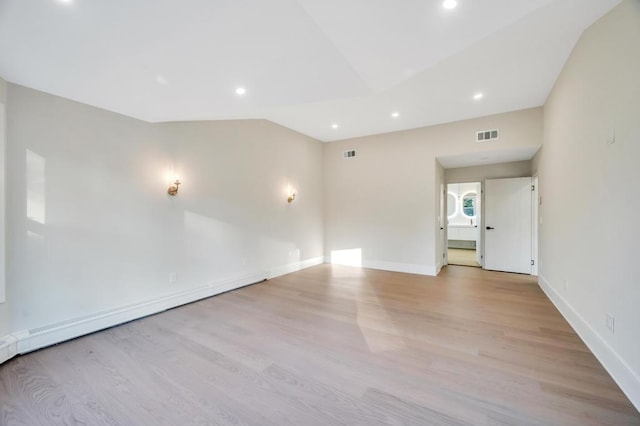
306, 64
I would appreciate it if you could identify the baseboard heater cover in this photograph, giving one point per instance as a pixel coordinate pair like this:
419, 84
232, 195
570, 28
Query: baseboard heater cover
36, 338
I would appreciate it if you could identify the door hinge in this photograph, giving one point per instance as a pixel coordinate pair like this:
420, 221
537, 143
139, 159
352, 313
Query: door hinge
533, 263
533, 187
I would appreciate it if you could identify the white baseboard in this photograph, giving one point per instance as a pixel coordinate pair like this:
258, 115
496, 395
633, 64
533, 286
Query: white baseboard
620, 371
8, 348
24, 341
295, 266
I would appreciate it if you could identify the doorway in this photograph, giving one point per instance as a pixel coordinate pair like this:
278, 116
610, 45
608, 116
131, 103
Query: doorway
463, 224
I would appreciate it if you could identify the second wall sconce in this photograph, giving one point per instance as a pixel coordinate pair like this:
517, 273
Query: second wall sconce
290, 193
173, 189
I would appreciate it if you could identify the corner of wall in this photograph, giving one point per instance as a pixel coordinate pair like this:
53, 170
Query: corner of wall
581, 161
4, 320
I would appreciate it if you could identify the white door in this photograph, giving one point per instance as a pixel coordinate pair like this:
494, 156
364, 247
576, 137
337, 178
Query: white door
507, 220
441, 217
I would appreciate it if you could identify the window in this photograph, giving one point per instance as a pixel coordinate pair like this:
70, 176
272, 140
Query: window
469, 204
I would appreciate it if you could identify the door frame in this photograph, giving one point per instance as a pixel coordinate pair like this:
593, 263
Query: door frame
535, 211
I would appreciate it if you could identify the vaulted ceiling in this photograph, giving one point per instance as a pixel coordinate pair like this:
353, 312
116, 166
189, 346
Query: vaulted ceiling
326, 68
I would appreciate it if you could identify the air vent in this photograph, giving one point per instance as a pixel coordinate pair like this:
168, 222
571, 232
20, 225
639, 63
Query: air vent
348, 154
486, 135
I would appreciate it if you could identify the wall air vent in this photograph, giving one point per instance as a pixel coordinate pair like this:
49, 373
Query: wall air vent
348, 154
486, 135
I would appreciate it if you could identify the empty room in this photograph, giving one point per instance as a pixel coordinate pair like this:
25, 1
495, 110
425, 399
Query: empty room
303, 212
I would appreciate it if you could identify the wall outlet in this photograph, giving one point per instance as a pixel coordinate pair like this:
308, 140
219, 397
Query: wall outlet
566, 287
173, 277
611, 323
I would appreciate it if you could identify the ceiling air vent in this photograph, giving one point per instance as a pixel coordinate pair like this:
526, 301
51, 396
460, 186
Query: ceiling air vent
486, 135
348, 154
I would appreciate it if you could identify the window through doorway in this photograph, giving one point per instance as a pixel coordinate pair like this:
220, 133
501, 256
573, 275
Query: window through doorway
463, 220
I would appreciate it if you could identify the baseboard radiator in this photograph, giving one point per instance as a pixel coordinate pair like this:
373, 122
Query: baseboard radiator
24, 341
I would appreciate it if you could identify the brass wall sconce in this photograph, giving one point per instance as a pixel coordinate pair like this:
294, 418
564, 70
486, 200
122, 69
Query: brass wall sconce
291, 197
173, 189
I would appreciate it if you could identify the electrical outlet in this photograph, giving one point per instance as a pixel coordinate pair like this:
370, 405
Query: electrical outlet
611, 323
566, 287
173, 277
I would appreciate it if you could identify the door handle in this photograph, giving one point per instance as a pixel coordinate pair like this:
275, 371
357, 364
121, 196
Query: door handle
489, 228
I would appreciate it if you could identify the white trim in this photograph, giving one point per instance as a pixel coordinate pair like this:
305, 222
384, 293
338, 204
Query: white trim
535, 214
295, 266
8, 348
620, 371
36, 338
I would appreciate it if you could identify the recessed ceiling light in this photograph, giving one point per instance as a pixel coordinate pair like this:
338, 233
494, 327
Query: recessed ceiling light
334, 126
395, 114
241, 91
478, 96
64, 1
449, 4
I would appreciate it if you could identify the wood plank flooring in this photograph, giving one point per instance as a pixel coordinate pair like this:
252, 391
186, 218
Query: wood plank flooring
329, 345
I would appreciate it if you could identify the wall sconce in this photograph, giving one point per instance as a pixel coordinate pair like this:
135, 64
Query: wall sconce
290, 192
173, 189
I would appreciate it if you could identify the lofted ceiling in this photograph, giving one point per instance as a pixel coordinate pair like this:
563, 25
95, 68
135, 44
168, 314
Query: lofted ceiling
329, 69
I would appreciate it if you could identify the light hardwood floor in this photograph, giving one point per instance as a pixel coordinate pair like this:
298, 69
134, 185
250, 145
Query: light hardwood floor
329, 345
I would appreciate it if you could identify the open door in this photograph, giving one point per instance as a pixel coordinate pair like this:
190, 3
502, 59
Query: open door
441, 223
479, 222
507, 220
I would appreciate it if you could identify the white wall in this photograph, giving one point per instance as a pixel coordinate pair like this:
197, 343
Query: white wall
4, 311
490, 171
588, 256
103, 233
386, 200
